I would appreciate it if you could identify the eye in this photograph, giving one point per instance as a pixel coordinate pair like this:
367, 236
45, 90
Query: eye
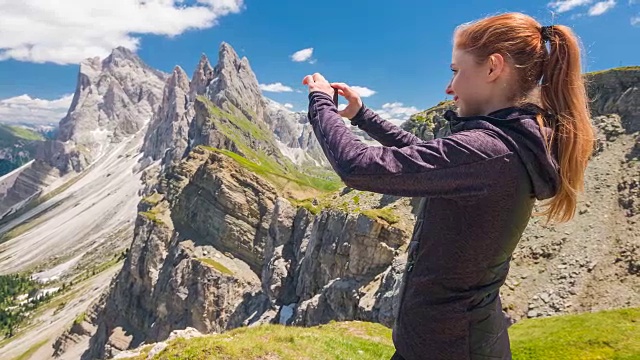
454, 71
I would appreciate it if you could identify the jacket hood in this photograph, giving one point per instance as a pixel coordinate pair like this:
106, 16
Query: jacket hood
518, 128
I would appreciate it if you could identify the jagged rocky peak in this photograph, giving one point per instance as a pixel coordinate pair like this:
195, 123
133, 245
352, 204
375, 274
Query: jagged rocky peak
167, 136
114, 98
178, 78
235, 82
119, 54
201, 78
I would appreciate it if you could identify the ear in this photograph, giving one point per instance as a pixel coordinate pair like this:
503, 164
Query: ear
496, 65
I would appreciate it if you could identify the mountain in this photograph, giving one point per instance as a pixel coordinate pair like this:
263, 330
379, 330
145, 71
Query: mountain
223, 223
114, 99
17, 147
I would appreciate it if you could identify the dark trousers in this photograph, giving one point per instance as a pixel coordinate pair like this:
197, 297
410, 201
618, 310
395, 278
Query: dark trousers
396, 356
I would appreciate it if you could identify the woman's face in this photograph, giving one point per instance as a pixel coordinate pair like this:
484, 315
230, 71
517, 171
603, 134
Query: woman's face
469, 86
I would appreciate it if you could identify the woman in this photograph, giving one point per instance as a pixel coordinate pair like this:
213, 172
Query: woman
479, 183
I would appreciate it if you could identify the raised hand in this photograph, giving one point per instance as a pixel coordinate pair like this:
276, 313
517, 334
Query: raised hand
317, 82
353, 98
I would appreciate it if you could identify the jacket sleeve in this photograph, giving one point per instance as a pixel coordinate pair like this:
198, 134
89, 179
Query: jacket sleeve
445, 167
382, 130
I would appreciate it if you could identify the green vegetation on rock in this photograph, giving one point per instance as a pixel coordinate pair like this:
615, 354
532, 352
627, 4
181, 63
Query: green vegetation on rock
307, 204
80, 318
277, 174
258, 152
10, 134
385, 214
604, 335
152, 199
152, 215
216, 265
622, 68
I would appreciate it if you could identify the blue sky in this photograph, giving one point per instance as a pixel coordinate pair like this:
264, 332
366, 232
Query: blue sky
400, 50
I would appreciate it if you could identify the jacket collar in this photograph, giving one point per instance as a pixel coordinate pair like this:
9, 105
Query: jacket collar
508, 114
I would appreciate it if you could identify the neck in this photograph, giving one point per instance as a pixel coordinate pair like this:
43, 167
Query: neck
494, 105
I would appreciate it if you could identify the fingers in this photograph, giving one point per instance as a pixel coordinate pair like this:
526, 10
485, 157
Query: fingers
308, 80
339, 85
317, 77
343, 89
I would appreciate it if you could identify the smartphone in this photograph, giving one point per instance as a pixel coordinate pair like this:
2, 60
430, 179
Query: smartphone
335, 97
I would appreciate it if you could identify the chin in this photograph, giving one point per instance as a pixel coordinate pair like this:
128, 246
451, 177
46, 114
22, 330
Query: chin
463, 112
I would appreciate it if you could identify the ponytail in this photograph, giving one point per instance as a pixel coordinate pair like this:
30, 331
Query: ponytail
564, 95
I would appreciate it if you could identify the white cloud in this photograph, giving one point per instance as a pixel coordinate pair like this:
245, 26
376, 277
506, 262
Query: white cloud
342, 106
303, 55
363, 91
69, 31
635, 21
567, 5
601, 7
288, 106
26, 109
396, 112
276, 87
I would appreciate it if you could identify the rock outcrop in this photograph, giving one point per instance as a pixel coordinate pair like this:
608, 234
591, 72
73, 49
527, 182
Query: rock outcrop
616, 91
430, 123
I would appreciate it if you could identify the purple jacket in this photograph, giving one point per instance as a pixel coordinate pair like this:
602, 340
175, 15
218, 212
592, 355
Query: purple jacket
478, 187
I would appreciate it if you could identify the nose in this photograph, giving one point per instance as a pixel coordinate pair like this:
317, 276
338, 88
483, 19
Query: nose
449, 90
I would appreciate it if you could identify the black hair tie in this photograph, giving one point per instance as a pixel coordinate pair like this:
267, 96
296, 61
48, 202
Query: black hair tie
546, 32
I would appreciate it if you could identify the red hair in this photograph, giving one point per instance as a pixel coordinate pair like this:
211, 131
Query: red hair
557, 73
